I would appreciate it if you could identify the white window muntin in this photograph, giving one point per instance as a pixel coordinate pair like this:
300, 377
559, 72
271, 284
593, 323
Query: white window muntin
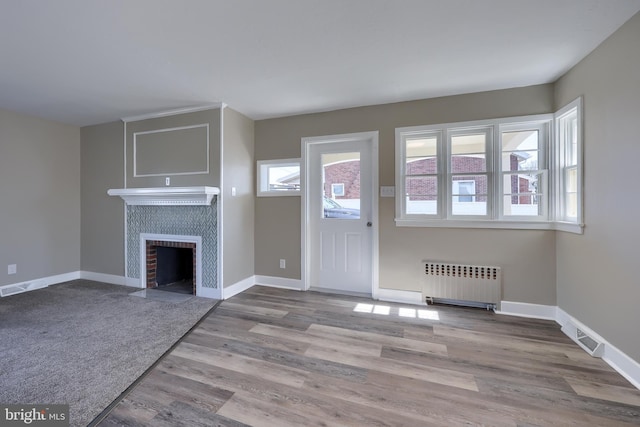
461, 131
442, 219
264, 168
403, 136
568, 158
542, 127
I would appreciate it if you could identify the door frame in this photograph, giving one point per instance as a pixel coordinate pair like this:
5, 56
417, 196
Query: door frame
371, 139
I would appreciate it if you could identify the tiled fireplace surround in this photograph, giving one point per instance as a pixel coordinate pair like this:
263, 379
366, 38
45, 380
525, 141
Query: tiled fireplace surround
173, 221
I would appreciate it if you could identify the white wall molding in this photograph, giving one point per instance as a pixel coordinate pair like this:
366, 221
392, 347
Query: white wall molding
173, 112
105, 278
521, 309
279, 282
616, 358
238, 287
402, 297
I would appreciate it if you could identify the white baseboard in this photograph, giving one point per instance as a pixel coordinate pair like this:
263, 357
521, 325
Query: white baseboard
104, 278
279, 282
521, 309
236, 288
618, 360
402, 297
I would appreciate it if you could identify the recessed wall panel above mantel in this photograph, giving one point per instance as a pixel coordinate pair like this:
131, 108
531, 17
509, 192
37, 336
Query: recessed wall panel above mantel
173, 151
184, 148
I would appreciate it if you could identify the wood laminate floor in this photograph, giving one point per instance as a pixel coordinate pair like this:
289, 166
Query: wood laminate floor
273, 357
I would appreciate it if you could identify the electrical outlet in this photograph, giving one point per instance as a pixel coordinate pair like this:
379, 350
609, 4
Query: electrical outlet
167, 181
233, 191
283, 263
12, 269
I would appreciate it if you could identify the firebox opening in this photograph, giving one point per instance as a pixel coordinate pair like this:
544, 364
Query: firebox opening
174, 269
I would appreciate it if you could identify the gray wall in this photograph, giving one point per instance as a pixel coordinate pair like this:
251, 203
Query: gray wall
39, 197
102, 166
597, 278
238, 210
528, 257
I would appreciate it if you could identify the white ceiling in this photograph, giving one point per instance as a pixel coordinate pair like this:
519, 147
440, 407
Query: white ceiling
86, 62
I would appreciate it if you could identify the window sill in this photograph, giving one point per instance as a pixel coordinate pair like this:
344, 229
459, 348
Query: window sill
505, 225
278, 193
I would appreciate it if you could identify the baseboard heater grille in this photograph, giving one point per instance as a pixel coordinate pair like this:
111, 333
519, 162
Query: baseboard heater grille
462, 284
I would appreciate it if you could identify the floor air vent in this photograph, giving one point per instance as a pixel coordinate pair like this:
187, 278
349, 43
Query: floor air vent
588, 343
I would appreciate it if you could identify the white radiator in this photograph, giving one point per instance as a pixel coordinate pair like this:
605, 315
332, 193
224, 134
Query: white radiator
473, 285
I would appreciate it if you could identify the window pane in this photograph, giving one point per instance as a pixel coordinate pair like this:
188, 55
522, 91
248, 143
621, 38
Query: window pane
571, 138
469, 195
341, 184
522, 194
422, 166
571, 192
520, 150
283, 178
519, 161
422, 195
421, 147
469, 144
468, 153
522, 205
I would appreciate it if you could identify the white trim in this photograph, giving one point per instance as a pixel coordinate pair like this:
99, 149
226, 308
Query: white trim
399, 296
522, 309
219, 210
238, 287
163, 130
261, 178
172, 112
618, 360
171, 238
279, 282
39, 283
105, 278
166, 196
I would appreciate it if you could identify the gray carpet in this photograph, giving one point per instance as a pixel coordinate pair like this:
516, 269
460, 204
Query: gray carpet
83, 343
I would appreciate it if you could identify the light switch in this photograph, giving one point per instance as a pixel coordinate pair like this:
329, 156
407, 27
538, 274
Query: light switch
387, 191
233, 191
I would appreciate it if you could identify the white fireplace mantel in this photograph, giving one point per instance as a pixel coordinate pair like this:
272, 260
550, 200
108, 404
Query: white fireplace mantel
166, 196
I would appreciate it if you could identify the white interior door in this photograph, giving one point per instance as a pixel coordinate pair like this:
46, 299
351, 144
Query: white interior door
340, 216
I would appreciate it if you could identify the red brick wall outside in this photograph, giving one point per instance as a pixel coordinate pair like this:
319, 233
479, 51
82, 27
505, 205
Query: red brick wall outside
347, 173
425, 188
152, 259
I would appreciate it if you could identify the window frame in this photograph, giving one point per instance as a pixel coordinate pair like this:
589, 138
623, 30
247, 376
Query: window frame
547, 169
565, 223
262, 177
